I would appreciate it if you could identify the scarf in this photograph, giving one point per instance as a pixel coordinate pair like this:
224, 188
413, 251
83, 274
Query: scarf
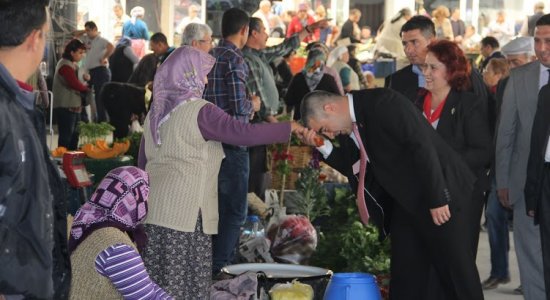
313, 70
119, 201
181, 78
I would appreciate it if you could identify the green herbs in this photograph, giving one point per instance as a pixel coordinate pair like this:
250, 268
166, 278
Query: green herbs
90, 132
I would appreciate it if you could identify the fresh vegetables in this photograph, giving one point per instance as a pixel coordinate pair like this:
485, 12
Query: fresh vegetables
59, 151
100, 150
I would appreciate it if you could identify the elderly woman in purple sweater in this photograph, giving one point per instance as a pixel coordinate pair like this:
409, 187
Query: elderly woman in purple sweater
182, 152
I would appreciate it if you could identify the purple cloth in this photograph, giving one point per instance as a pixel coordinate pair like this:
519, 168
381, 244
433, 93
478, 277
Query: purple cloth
124, 268
119, 201
217, 125
179, 79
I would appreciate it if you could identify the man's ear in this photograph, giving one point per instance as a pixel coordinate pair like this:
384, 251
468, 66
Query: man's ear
33, 40
244, 30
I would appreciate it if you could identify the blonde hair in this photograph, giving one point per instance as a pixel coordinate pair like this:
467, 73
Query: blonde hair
441, 11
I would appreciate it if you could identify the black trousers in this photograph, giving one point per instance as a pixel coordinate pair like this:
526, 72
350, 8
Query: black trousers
418, 245
544, 226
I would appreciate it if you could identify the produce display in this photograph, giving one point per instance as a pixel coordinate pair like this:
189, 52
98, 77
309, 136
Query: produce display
98, 150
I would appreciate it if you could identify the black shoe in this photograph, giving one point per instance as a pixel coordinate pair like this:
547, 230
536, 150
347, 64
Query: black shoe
492, 282
518, 290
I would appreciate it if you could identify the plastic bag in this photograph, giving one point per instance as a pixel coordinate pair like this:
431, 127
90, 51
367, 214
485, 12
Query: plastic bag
293, 239
291, 291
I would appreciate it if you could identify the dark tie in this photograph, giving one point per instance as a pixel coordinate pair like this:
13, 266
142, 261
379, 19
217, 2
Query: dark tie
548, 82
361, 205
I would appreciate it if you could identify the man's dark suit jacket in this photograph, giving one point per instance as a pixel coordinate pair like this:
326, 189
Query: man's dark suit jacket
409, 162
464, 126
539, 141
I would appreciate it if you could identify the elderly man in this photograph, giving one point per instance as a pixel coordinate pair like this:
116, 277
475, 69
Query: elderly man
517, 113
33, 252
198, 36
518, 52
264, 14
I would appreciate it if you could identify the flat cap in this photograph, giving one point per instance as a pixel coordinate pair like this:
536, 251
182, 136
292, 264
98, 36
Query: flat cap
519, 45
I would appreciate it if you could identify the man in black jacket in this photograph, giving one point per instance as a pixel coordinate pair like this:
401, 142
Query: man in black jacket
33, 224
416, 35
350, 27
416, 186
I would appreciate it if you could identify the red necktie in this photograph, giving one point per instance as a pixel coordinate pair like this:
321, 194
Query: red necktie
361, 205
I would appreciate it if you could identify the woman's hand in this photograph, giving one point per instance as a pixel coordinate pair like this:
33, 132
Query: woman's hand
86, 77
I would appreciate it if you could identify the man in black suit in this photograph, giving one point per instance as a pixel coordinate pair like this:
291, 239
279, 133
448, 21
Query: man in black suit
416, 186
416, 35
490, 48
537, 185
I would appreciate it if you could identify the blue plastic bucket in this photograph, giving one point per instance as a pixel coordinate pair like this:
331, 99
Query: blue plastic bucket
352, 286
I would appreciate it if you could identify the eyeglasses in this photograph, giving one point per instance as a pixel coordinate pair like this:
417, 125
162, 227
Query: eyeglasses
431, 67
211, 42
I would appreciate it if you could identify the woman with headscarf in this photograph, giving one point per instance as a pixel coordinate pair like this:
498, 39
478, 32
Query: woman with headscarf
137, 31
312, 78
338, 59
123, 60
182, 152
106, 235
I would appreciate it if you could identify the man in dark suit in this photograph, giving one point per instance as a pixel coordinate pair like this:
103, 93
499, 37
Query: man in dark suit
537, 185
415, 186
489, 49
416, 35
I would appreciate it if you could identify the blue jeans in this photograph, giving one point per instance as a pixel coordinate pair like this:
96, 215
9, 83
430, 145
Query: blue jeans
98, 77
232, 205
67, 125
499, 240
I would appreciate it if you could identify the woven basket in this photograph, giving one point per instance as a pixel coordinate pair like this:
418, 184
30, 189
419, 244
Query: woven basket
301, 155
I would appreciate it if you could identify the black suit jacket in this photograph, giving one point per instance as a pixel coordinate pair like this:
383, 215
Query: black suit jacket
410, 164
464, 126
539, 141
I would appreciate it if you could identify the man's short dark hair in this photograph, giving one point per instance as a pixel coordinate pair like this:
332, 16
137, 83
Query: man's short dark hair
90, 25
490, 41
254, 25
158, 38
422, 23
233, 20
543, 21
312, 105
18, 18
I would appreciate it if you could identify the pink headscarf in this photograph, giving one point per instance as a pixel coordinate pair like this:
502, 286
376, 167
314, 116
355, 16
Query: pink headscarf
179, 79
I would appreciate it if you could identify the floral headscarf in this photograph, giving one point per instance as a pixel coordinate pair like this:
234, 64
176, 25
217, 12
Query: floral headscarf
179, 79
119, 201
313, 73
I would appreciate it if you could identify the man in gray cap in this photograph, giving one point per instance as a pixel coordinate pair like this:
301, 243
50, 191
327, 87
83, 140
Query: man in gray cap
518, 52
